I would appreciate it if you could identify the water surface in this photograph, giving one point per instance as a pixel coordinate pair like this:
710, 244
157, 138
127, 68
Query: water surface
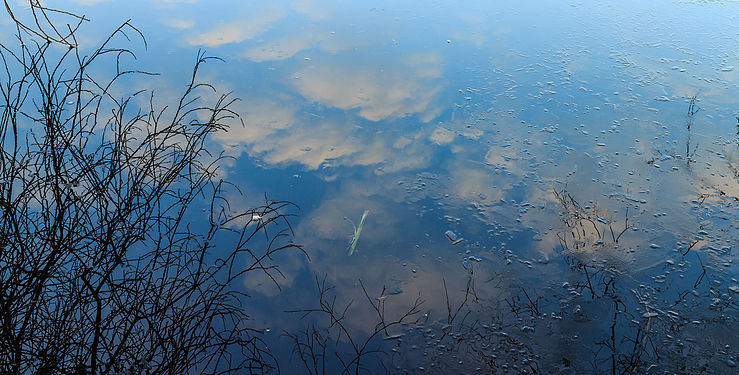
453, 124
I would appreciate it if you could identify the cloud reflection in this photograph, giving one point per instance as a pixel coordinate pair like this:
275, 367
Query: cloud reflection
377, 90
283, 48
259, 18
278, 132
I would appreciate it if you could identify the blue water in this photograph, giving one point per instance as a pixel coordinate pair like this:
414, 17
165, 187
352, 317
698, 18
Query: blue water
466, 116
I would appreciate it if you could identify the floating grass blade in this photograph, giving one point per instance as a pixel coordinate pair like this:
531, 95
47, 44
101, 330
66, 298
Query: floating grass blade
357, 232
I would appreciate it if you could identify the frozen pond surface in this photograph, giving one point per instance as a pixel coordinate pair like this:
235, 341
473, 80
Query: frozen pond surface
557, 181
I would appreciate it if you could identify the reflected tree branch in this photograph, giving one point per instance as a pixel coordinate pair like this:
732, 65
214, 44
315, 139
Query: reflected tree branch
43, 26
120, 251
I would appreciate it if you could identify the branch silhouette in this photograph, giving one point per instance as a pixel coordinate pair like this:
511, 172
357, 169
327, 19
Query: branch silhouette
43, 26
106, 262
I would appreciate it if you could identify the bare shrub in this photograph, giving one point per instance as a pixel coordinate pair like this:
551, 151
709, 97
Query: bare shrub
119, 252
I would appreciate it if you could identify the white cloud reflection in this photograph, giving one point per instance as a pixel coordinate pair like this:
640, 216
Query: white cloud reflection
377, 90
179, 24
278, 133
442, 136
251, 22
282, 48
315, 10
